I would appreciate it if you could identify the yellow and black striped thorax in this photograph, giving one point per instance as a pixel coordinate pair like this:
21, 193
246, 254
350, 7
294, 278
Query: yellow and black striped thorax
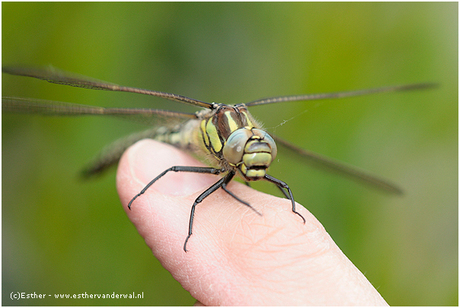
236, 141
216, 129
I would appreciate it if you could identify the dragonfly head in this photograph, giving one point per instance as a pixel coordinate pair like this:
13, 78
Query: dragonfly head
251, 150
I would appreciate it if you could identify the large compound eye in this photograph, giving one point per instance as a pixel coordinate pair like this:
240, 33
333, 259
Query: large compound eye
268, 139
234, 147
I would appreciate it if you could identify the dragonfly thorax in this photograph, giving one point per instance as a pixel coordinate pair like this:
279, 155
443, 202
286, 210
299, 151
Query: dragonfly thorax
236, 141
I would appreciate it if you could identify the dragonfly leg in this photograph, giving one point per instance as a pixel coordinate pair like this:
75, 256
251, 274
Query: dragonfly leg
209, 170
286, 191
224, 187
221, 183
200, 198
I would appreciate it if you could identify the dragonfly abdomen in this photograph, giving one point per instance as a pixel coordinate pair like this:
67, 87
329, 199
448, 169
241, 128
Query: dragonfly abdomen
185, 136
180, 136
111, 154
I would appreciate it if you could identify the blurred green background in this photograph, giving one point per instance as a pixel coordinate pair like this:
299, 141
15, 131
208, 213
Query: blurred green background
61, 235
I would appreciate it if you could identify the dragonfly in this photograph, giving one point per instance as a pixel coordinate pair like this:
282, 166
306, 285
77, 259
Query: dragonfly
231, 140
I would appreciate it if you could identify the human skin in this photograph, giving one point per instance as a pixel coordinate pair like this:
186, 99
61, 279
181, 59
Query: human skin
235, 256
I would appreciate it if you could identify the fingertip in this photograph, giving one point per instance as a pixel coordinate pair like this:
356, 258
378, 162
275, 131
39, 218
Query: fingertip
160, 214
148, 158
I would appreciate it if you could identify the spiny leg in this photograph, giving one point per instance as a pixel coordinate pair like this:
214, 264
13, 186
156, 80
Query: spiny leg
221, 183
224, 187
200, 198
209, 170
286, 191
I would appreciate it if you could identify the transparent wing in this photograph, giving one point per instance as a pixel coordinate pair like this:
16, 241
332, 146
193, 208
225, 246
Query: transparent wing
345, 169
111, 154
54, 108
55, 75
310, 97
